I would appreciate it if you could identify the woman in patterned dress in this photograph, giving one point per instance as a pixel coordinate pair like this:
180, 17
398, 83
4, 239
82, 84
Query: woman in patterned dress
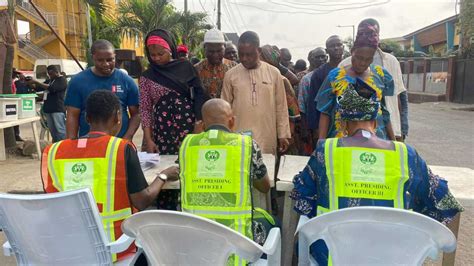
171, 97
342, 78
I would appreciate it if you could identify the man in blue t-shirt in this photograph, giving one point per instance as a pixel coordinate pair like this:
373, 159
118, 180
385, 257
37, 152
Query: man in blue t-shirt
102, 76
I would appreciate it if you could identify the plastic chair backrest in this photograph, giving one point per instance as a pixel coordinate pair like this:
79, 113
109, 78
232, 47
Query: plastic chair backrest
176, 238
54, 229
379, 236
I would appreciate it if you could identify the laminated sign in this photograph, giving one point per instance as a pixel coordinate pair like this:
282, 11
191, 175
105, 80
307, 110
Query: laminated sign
78, 175
10, 109
367, 178
211, 172
368, 166
27, 105
212, 163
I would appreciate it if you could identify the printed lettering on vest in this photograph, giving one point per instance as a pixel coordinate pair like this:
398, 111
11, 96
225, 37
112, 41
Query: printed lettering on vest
78, 175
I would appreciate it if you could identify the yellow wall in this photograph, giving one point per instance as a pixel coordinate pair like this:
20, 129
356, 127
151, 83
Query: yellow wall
127, 43
24, 64
439, 48
72, 29
70, 26
130, 43
457, 32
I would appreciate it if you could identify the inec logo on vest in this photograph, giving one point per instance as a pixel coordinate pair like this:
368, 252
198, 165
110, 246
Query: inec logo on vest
78, 170
212, 156
368, 158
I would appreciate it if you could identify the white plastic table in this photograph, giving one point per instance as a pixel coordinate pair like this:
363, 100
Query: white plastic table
18, 122
290, 165
260, 199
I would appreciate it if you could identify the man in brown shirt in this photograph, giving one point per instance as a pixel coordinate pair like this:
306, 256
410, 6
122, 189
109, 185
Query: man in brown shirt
256, 93
211, 70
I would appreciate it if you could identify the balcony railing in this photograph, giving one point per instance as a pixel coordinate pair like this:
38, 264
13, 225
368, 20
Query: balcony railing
33, 51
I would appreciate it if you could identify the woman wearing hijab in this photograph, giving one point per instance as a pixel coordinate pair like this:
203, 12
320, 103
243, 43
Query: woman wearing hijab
361, 70
171, 97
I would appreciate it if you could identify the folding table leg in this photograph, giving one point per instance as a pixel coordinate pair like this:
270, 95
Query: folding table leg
449, 258
290, 219
3, 154
36, 136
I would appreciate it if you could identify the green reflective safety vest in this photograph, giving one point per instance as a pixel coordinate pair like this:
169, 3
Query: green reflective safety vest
215, 179
358, 172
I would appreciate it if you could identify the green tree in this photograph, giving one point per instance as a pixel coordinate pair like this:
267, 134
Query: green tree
100, 26
192, 28
466, 22
138, 17
391, 46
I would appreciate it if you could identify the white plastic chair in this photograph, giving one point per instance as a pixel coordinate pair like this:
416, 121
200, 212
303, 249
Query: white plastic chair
374, 236
57, 229
177, 238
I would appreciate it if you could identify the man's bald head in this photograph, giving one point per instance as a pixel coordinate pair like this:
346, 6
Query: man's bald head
217, 112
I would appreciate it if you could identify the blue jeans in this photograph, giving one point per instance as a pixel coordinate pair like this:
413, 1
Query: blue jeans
57, 125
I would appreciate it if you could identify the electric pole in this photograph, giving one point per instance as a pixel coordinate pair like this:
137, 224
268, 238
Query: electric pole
219, 14
185, 6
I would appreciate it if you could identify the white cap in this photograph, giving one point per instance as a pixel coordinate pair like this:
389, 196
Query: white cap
214, 36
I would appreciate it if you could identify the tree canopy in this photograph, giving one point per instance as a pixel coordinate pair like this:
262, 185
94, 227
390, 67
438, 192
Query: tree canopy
138, 17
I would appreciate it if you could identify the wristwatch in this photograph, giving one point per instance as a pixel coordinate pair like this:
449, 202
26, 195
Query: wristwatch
162, 177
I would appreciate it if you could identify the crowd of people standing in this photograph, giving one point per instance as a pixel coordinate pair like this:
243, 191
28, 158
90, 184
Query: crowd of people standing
285, 107
247, 100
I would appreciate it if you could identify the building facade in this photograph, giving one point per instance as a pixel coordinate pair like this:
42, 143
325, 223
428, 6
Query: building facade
69, 19
438, 38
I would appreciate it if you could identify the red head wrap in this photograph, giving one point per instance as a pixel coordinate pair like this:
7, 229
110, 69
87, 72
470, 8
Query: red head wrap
159, 41
182, 48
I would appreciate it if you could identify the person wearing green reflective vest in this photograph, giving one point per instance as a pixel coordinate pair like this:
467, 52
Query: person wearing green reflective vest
218, 169
362, 169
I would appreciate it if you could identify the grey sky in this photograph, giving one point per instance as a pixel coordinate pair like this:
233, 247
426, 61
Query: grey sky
302, 32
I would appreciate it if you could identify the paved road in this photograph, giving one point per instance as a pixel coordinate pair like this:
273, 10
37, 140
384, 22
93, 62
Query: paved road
441, 135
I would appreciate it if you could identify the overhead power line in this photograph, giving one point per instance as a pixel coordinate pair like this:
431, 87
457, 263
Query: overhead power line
324, 3
303, 10
233, 16
241, 17
205, 11
231, 19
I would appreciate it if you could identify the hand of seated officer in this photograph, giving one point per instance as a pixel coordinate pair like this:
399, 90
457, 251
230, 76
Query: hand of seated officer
172, 173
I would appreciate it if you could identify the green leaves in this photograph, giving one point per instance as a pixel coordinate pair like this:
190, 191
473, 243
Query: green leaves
138, 17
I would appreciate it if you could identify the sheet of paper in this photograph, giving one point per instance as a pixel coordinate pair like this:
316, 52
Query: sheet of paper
148, 160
